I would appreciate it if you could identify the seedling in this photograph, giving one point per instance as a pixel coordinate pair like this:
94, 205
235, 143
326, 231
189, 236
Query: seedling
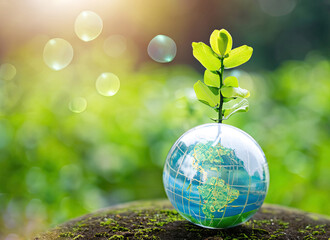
223, 95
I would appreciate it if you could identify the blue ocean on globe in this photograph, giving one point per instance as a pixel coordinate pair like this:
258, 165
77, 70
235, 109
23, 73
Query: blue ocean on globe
216, 176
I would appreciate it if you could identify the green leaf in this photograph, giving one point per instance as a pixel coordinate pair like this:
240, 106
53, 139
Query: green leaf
211, 78
231, 82
221, 41
206, 56
238, 56
232, 92
235, 106
207, 95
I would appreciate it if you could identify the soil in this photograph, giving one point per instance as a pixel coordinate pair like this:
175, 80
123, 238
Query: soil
158, 220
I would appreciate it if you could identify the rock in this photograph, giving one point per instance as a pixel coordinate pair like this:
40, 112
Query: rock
158, 220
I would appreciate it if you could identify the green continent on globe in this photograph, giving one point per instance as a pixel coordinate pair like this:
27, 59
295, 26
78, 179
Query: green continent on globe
216, 194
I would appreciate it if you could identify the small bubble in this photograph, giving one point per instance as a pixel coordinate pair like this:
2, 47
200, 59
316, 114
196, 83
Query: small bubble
35, 209
162, 49
107, 84
88, 26
115, 45
58, 53
7, 71
78, 105
12, 236
277, 8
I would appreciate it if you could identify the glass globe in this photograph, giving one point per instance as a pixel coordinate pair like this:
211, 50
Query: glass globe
216, 176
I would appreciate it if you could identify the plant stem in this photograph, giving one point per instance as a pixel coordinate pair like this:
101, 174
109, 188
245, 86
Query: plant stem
221, 97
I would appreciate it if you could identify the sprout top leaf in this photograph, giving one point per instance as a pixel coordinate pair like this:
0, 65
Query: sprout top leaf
221, 42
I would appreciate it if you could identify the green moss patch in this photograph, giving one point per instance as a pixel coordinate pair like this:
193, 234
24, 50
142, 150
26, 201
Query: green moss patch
158, 220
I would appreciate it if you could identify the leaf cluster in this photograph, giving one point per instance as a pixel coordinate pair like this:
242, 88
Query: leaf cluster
223, 95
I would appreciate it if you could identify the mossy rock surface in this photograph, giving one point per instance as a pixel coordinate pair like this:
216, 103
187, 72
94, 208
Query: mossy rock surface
158, 220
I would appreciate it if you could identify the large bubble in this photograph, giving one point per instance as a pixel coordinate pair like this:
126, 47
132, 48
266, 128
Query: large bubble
88, 26
115, 45
58, 53
107, 84
7, 71
78, 105
162, 49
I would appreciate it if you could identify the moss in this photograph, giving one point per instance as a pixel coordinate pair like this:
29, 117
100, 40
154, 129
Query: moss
141, 233
102, 234
152, 223
260, 230
107, 222
192, 228
66, 234
321, 228
119, 229
262, 222
165, 216
308, 237
283, 224
314, 217
159, 224
267, 211
80, 228
116, 237
78, 236
315, 232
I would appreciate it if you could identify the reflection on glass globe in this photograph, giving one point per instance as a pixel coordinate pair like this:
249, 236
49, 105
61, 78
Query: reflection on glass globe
216, 176
58, 53
162, 49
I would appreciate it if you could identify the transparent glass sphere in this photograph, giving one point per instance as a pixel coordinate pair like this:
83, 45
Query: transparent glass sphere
216, 176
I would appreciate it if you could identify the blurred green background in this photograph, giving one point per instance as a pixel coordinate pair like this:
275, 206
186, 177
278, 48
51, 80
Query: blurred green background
56, 164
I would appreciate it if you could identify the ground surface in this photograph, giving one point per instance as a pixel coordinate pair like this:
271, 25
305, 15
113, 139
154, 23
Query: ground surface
158, 220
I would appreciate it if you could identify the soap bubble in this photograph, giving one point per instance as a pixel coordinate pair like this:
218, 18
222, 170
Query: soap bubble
107, 84
88, 26
7, 71
277, 8
58, 53
115, 45
162, 49
78, 105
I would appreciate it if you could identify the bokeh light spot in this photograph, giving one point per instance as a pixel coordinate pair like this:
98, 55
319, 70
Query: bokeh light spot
162, 49
88, 25
78, 105
277, 8
107, 84
12, 236
7, 71
115, 45
58, 53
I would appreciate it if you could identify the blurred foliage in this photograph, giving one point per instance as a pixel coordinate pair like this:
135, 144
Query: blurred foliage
56, 164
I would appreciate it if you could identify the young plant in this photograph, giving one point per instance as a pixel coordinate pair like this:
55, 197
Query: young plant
223, 95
